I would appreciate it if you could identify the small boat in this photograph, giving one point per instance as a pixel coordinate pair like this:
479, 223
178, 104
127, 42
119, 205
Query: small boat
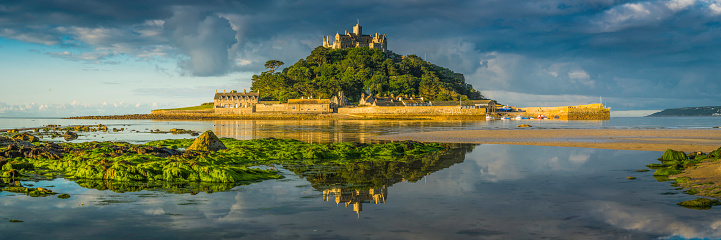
505, 118
488, 117
519, 118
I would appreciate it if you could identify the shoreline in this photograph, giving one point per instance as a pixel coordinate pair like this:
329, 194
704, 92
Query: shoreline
687, 140
210, 116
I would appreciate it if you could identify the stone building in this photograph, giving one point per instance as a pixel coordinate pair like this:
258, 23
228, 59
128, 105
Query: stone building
235, 102
397, 101
339, 101
356, 39
297, 106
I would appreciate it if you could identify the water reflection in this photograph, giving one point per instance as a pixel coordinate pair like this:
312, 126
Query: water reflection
356, 197
483, 191
368, 182
327, 131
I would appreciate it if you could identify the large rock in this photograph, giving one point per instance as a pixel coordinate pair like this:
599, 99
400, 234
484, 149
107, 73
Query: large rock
26, 137
70, 136
8, 141
207, 142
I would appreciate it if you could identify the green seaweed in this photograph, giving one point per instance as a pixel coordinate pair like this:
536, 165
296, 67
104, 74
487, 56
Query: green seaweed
33, 192
122, 167
700, 203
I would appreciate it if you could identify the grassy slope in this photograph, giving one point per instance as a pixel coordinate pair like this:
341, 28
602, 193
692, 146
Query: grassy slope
201, 107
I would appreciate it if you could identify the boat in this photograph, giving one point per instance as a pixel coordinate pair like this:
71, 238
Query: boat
519, 117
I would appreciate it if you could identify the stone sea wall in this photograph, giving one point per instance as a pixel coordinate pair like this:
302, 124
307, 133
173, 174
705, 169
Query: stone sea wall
580, 112
412, 111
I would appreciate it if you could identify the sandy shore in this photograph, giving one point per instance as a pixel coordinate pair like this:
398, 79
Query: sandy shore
622, 139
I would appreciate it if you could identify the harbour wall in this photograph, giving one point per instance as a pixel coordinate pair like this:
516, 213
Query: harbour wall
581, 112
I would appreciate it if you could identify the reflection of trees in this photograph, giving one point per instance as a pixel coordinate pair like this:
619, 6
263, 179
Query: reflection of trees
368, 181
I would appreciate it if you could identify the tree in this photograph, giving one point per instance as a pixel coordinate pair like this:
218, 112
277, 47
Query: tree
272, 65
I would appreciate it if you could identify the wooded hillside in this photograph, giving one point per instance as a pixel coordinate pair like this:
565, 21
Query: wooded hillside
355, 70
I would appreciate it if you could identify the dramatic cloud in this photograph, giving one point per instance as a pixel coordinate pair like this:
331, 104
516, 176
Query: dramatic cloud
205, 38
637, 54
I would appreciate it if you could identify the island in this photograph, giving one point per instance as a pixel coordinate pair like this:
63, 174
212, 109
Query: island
357, 77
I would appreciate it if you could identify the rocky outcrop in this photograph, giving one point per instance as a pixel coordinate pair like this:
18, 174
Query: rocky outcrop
69, 136
49, 151
207, 142
26, 137
8, 141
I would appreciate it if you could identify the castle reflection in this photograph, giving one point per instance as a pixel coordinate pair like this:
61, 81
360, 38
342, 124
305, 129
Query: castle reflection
356, 197
368, 182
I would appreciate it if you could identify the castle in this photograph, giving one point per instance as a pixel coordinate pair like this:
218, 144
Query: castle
356, 39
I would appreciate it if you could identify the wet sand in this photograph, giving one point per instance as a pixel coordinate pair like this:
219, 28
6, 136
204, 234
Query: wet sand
687, 140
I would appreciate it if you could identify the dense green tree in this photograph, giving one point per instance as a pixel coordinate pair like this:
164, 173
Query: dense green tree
272, 65
357, 70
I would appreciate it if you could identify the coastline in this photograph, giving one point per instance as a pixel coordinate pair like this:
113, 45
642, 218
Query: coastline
687, 140
211, 116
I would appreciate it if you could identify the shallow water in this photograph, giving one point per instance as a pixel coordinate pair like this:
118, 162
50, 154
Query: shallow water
324, 131
492, 191
470, 192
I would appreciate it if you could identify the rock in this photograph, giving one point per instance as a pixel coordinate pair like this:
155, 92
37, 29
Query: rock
69, 136
64, 196
700, 203
194, 134
25, 137
207, 142
523, 126
671, 155
18, 143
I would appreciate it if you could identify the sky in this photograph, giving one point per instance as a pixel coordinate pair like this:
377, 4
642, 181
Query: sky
62, 58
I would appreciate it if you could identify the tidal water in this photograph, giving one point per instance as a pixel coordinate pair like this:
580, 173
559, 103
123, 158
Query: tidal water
468, 192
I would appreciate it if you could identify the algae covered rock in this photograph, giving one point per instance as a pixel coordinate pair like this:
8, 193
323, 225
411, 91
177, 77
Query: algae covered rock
700, 203
207, 142
523, 126
26, 137
69, 136
671, 155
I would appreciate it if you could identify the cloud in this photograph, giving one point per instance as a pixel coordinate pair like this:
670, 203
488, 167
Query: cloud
76, 108
205, 38
632, 51
31, 35
677, 5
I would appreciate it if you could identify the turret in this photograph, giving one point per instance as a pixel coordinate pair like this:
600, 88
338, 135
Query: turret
358, 30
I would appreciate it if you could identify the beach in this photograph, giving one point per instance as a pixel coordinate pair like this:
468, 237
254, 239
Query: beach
687, 140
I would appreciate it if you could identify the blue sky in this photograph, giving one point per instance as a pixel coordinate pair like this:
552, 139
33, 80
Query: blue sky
72, 57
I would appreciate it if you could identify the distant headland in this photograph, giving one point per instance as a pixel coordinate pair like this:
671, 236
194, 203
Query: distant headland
689, 111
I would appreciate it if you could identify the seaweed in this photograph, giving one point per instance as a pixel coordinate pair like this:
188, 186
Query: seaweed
121, 166
700, 203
